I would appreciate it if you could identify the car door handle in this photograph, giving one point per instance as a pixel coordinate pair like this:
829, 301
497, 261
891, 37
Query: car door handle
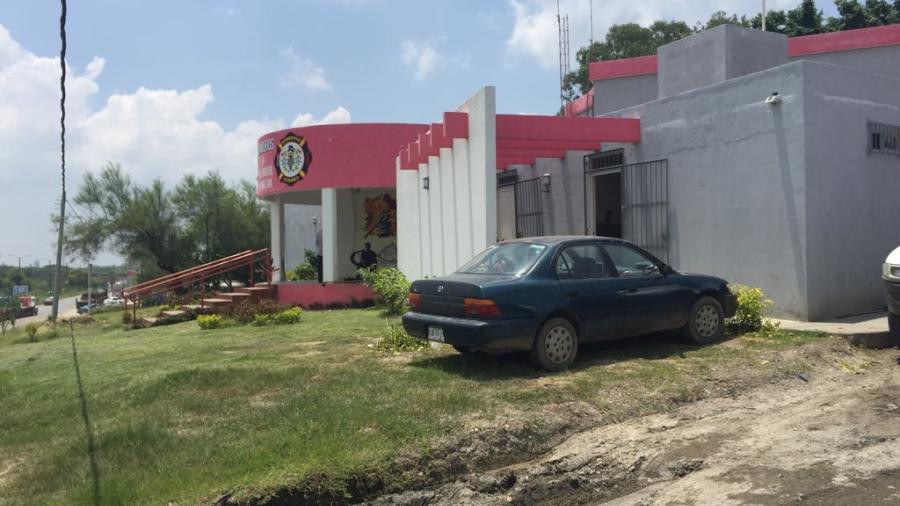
627, 291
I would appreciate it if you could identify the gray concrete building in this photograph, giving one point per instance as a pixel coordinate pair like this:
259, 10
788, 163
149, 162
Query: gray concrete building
769, 161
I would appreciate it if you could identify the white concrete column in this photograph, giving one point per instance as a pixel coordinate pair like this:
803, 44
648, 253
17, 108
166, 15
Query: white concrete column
348, 208
448, 210
409, 244
463, 197
276, 233
329, 235
435, 197
482, 112
424, 221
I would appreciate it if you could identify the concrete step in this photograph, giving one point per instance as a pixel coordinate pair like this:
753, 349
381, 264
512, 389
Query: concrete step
174, 313
191, 307
235, 296
216, 302
149, 321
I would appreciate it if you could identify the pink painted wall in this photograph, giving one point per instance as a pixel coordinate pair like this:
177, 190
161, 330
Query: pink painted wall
356, 155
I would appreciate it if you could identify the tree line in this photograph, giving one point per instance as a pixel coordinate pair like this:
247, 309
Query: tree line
165, 230
631, 39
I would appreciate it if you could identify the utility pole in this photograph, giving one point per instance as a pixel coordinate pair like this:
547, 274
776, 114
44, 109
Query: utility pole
764, 15
62, 158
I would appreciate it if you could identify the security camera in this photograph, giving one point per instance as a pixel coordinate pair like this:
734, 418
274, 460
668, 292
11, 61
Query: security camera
773, 99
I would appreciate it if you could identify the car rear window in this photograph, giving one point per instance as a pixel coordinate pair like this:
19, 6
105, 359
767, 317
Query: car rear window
509, 259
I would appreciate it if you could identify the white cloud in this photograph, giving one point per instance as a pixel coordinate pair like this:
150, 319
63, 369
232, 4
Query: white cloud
302, 72
226, 12
152, 133
333, 117
535, 33
422, 57
425, 60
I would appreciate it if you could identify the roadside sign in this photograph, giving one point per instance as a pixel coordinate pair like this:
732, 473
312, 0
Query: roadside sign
19, 290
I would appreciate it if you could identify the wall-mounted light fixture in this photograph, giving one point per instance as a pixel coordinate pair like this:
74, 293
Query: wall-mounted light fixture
773, 99
545, 183
425, 183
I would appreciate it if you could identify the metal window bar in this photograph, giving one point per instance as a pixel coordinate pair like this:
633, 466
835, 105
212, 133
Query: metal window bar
529, 215
645, 206
884, 138
508, 177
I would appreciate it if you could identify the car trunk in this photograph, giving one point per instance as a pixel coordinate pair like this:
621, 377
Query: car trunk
446, 296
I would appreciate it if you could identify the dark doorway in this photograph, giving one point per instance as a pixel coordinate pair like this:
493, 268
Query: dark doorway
529, 216
608, 204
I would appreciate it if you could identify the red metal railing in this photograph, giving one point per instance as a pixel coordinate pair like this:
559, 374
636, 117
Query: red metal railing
198, 275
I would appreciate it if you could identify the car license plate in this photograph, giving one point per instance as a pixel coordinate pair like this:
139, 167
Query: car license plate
436, 334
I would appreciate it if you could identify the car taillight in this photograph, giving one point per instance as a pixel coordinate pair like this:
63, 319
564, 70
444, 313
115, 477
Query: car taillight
481, 307
414, 301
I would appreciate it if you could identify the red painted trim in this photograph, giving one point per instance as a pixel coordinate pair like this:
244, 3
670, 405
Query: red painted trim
512, 126
532, 153
846, 40
581, 104
626, 67
355, 155
456, 125
311, 294
544, 144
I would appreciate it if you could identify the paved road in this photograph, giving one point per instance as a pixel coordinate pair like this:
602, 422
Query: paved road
66, 308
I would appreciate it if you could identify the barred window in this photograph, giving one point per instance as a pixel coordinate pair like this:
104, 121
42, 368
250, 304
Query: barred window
884, 138
507, 177
607, 159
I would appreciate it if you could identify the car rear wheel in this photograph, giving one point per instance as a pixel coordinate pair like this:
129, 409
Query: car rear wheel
556, 345
894, 324
707, 322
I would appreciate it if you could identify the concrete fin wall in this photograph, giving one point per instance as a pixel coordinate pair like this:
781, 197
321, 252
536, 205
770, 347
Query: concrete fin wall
457, 214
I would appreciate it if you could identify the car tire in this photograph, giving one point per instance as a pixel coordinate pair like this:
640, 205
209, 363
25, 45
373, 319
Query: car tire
464, 351
707, 321
556, 345
894, 324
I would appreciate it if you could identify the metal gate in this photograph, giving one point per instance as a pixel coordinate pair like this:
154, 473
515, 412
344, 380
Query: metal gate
645, 206
529, 217
645, 199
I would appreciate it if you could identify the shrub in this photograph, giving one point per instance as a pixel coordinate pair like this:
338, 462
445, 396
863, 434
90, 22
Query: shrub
390, 286
288, 316
395, 339
32, 329
246, 312
751, 302
305, 271
9, 308
210, 321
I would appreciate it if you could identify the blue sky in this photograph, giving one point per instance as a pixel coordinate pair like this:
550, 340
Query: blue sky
172, 87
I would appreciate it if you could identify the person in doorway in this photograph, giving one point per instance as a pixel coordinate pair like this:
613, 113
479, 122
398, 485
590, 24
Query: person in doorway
369, 259
319, 255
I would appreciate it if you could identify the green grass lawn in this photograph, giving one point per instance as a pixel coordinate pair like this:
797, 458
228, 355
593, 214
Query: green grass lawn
182, 415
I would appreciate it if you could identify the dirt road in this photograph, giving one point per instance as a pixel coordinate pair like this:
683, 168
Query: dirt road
830, 436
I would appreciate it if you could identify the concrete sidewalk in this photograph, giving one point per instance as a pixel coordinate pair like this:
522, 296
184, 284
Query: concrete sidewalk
868, 330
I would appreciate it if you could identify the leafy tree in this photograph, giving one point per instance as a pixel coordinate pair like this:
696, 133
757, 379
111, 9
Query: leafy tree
723, 18
804, 20
851, 15
9, 309
881, 12
166, 231
622, 41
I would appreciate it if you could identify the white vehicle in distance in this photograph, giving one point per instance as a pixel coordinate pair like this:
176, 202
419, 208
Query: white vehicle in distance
114, 302
890, 272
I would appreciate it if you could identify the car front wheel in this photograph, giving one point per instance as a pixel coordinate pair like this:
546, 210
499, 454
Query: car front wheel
707, 322
556, 345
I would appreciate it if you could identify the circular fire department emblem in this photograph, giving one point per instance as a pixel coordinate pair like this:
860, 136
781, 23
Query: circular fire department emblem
292, 159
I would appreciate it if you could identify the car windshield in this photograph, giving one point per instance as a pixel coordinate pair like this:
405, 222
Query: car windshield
510, 259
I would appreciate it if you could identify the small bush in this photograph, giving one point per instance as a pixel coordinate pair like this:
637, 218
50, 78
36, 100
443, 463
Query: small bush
395, 339
305, 271
390, 286
751, 302
32, 329
246, 312
288, 316
210, 321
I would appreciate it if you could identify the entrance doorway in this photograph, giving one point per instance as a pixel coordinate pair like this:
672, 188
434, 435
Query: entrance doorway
608, 204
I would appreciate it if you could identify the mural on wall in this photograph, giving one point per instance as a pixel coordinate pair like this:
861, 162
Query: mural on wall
381, 216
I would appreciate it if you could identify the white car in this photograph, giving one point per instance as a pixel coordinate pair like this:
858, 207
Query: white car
114, 302
890, 272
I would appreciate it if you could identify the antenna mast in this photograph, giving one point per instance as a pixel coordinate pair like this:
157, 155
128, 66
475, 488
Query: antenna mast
564, 69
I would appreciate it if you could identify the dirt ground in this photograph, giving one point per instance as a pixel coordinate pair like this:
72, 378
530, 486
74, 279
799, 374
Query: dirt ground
827, 436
